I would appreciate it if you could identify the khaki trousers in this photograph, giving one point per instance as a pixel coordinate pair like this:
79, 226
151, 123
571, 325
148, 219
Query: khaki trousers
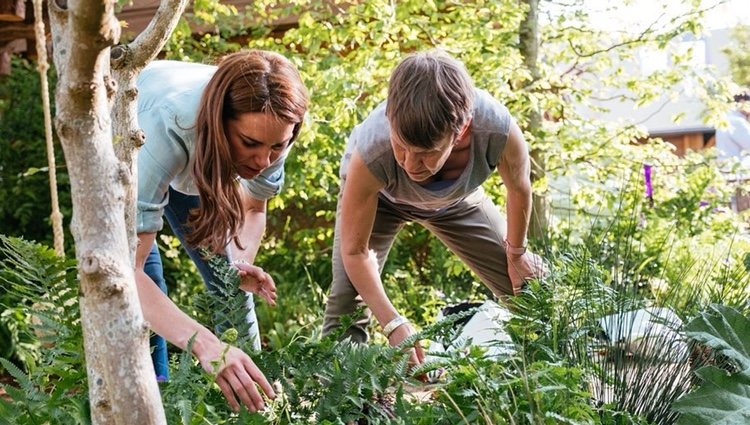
473, 229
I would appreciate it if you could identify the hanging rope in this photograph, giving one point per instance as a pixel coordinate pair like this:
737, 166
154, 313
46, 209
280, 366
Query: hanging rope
41, 51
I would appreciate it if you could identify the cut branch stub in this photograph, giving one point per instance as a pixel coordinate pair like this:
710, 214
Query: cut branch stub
139, 138
131, 94
111, 85
110, 34
90, 264
120, 55
95, 265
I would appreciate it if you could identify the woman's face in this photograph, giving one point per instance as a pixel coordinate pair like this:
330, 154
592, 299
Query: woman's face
256, 139
419, 163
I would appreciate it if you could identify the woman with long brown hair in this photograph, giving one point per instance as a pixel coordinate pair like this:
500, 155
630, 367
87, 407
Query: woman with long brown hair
216, 141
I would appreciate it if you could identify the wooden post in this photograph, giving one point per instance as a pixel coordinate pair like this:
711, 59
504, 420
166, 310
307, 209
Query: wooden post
10, 31
6, 52
4, 63
12, 10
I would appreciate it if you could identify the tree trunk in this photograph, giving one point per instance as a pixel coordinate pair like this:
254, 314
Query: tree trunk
122, 385
529, 46
127, 62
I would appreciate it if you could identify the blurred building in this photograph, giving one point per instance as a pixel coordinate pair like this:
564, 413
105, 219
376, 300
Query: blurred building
690, 132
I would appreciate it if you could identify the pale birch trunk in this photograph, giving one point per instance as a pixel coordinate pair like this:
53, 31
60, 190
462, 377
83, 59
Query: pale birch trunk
122, 386
529, 46
127, 62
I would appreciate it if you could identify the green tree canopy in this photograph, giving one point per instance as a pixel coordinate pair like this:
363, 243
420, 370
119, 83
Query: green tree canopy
738, 53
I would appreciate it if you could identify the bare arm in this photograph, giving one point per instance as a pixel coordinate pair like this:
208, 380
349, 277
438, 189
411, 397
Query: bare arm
165, 318
254, 278
359, 204
515, 170
252, 229
236, 374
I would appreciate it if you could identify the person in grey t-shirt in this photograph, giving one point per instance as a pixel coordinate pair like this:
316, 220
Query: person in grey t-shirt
422, 157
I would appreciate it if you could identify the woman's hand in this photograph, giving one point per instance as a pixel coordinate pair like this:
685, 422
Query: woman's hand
237, 376
254, 279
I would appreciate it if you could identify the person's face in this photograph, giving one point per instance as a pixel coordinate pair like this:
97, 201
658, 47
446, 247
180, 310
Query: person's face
256, 139
419, 163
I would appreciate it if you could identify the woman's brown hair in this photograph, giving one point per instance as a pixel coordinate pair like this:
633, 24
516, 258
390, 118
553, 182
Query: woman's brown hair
247, 81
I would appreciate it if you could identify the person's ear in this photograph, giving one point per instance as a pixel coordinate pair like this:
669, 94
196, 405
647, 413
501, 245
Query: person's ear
464, 129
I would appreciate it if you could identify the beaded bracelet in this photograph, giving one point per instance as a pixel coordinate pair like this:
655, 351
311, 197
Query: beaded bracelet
515, 250
393, 324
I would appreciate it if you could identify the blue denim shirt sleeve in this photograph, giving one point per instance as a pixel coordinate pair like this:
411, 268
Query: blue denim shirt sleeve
162, 158
267, 184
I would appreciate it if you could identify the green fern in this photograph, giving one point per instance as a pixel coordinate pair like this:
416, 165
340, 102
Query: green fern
44, 288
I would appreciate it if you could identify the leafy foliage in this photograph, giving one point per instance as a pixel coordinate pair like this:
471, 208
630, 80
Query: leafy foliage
723, 397
739, 58
23, 158
54, 386
635, 260
323, 379
610, 252
726, 331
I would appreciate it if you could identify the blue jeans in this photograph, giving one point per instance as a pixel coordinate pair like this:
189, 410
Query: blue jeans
176, 213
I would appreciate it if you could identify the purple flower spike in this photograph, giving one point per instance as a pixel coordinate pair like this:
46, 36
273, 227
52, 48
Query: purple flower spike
647, 168
647, 174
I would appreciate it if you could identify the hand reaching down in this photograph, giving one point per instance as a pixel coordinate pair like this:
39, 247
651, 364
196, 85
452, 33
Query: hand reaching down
522, 267
416, 353
254, 279
237, 376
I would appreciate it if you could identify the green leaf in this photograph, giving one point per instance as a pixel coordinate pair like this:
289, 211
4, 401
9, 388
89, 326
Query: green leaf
723, 399
17, 373
33, 170
725, 330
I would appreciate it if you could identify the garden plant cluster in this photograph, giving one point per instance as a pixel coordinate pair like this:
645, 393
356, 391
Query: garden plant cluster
572, 356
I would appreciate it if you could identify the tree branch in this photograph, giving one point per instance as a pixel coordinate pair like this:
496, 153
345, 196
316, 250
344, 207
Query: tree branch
150, 41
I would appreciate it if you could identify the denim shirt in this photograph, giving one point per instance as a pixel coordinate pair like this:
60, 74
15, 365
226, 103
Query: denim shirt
168, 101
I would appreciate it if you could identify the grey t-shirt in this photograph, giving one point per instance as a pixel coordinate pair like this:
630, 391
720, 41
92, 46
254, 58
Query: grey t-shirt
489, 132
